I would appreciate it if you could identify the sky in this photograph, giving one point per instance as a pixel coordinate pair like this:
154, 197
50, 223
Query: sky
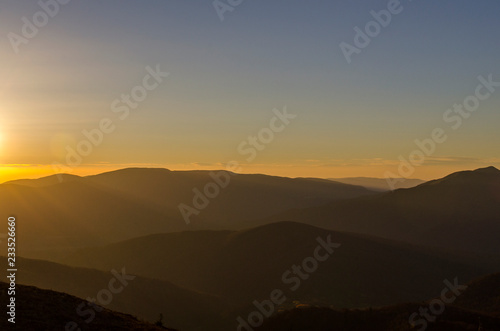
227, 79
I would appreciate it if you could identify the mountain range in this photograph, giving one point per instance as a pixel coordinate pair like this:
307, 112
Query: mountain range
85, 211
460, 211
38, 309
477, 308
340, 256
244, 266
143, 297
380, 184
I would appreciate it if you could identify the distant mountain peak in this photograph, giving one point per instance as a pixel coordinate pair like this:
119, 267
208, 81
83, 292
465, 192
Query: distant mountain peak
45, 181
144, 170
379, 184
480, 175
488, 170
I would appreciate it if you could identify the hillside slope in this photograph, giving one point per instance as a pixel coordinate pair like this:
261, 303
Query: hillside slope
145, 298
246, 265
394, 318
477, 307
38, 309
460, 211
58, 217
379, 184
482, 294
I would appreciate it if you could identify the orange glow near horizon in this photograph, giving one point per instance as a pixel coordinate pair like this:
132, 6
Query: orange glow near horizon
33, 171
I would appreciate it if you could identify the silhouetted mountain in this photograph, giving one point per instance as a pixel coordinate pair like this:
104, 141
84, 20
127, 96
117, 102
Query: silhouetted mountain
38, 310
477, 305
145, 298
460, 211
379, 184
245, 198
395, 318
55, 219
133, 202
45, 181
246, 265
482, 294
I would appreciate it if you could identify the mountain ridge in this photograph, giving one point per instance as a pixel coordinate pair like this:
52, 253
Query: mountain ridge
214, 261
133, 202
459, 211
39, 309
